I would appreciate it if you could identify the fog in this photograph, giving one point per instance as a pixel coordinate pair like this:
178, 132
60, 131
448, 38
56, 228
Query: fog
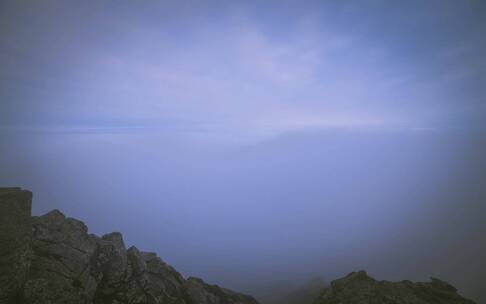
266, 147
402, 205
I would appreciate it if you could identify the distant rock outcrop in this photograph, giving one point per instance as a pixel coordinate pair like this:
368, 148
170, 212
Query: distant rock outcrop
53, 259
359, 288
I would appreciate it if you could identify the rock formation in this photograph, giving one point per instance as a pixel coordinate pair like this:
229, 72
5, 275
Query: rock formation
53, 259
359, 288
15, 250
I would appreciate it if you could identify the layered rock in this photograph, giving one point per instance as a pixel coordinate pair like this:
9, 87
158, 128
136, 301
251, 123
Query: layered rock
53, 259
359, 288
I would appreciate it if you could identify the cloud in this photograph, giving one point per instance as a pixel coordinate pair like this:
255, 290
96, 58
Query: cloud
246, 81
240, 75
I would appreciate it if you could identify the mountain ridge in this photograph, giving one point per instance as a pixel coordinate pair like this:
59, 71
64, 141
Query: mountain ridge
53, 259
359, 288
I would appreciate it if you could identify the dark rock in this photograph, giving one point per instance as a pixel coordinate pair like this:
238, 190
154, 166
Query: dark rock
15, 233
61, 265
110, 268
165, 284
200, 292
52, 259
359, 288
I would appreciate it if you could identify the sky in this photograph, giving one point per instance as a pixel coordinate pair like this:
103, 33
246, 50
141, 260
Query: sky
255, 142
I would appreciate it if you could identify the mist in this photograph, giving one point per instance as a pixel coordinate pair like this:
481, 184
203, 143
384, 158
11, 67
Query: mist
255, 155
303, 205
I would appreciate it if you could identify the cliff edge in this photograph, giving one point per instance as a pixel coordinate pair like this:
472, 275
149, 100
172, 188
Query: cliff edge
53, 259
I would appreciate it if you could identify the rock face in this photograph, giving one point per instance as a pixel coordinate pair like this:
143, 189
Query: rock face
359, 288
15, 206
53, 259
203, 293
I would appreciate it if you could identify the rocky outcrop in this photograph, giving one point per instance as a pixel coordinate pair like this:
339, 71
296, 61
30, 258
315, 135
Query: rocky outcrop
15, 254
359, 288
61, 268
53, 259
200, 292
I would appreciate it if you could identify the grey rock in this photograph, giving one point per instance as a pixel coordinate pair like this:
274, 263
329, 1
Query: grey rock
52, 259
359, 288
110, 268
200, 292
60, 269
165, 284
15, 234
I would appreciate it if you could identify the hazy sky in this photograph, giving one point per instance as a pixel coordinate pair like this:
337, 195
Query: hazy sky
229, 69
250, 142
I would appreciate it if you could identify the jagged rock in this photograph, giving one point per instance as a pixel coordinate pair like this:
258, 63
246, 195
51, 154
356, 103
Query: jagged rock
61, 265
52, 259
110, 268
15, 232
359, 288
165, 284
200, 292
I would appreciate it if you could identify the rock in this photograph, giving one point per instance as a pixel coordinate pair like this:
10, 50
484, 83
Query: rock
110, 268
61, 269
165, 284
15, 233
359, 288
53, 259
200, 292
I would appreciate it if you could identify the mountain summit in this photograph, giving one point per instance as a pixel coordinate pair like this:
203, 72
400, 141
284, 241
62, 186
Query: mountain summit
53, 259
